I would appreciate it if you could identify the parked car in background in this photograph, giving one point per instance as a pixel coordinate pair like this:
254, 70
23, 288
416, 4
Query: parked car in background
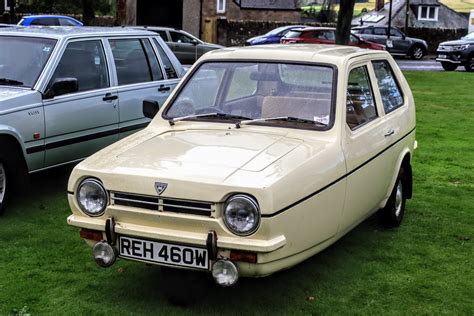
263, 157
398, 44
185, 46
49, 20
66, 93
455, 53
324, 35
272, 37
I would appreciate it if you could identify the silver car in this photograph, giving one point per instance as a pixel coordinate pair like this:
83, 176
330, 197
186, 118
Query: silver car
185, 46
67, 92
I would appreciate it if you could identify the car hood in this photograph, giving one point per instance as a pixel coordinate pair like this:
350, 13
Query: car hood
209, 155
13, 97
456, 42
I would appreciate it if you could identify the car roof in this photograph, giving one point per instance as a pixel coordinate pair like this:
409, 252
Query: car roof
47, 16
322, 53
60, 32
151, 27
317, 28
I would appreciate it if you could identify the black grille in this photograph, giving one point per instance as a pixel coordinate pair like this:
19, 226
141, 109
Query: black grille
162, 204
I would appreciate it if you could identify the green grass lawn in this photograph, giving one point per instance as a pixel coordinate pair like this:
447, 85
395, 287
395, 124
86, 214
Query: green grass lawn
424, 267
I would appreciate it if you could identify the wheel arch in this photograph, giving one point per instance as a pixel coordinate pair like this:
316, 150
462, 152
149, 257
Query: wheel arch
13, 142
404, 161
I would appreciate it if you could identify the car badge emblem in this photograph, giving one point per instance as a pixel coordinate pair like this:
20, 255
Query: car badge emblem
160, 187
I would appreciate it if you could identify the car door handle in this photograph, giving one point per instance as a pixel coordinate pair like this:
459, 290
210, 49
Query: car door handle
164, 88
390, 132
109, 97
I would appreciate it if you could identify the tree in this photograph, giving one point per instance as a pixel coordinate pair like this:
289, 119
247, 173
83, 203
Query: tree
344, 19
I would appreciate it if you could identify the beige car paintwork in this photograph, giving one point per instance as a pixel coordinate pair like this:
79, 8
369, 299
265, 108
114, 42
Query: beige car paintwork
339, 176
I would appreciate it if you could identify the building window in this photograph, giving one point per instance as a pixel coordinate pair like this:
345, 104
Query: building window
428, 13
220, 6
7, 7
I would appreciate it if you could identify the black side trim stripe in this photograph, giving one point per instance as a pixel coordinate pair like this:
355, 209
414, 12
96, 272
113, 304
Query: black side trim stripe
337, 180
85, 138
70, 192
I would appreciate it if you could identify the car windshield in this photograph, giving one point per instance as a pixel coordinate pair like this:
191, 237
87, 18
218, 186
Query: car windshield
22, 59
277, 31
469, 37
293, 34
234, 91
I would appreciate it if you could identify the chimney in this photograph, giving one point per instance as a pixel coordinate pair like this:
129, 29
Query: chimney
379, 4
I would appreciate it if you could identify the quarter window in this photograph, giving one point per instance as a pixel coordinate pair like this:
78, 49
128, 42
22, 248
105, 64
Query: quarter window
236, 89
84, 61
389, 88
131, 61
169, 69
360, 105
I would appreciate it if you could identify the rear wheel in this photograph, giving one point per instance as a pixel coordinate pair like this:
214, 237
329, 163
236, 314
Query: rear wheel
449, 66
392, 214
417, 52
469, 65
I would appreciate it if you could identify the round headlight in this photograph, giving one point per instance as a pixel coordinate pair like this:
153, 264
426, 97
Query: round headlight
92, 197
241, 215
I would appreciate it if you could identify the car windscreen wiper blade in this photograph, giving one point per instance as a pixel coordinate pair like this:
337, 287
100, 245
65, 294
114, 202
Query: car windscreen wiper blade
214, 114
280, 118
10, 82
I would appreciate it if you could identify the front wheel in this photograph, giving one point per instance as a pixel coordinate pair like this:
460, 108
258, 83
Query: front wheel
449, 66
469, 65
3, 186
392, 214
417, 53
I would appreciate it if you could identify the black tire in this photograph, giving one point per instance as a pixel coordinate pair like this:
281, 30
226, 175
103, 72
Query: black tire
13, 173
392, 214
469, 65
4, 189
184, 287
417, 52
449, 66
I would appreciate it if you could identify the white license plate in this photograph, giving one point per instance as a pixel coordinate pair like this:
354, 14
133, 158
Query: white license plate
442, 56
165, 253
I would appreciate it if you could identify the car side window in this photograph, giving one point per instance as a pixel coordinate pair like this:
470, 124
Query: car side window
131, 61
86, 62
45, 21
162, 35
380, 31
360, 105
169, 69
395, 32
389, 88
180, 38
66, 22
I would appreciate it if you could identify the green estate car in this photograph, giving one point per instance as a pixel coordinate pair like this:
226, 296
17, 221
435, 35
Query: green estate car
67, 92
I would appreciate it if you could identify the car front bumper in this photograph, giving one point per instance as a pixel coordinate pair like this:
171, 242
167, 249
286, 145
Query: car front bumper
454, 57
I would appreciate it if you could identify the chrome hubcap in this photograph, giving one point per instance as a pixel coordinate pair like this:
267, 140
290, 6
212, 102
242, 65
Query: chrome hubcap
418, 53
3, 182
399, 198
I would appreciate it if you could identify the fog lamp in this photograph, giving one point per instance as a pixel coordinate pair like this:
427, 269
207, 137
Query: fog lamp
225, 272
104, 254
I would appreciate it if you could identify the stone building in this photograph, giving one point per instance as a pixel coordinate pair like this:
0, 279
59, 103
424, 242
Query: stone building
199, 17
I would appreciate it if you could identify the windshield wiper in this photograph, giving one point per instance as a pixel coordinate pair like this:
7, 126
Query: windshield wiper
10, 82
215, 114
280, 118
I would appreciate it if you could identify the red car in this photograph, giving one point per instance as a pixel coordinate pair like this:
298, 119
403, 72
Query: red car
325, 35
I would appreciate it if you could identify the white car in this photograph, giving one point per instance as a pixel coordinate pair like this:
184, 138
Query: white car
262, 157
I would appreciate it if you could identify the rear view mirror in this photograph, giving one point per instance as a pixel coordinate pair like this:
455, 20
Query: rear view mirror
150, 108
62, 86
